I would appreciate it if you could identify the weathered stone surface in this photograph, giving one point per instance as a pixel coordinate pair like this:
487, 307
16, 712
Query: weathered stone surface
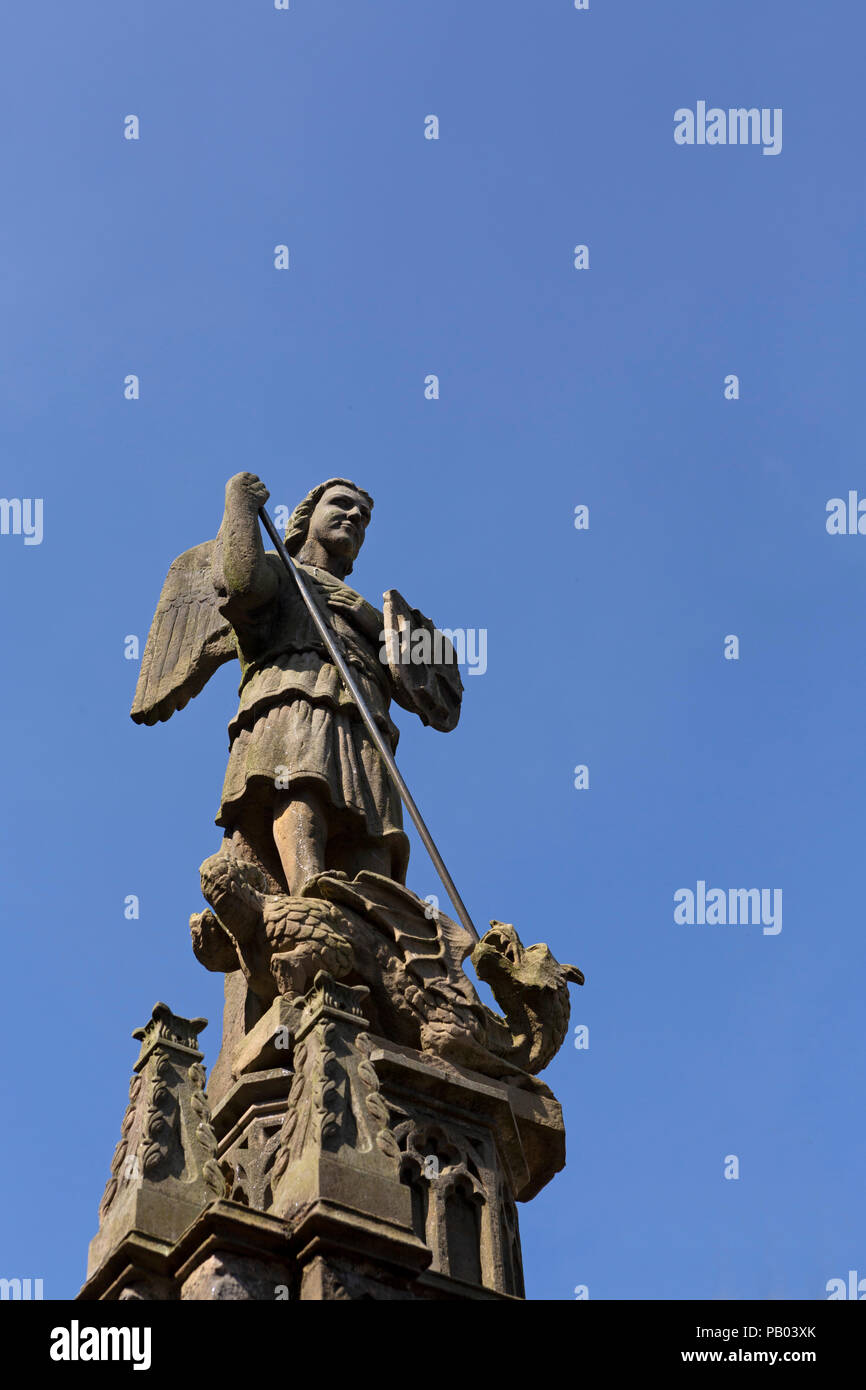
236, 1023
164, 1169
369, 1124
378, 933
373, 1143
229, 1276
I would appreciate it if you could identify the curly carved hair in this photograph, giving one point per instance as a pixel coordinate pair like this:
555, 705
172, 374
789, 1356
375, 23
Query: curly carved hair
299, 521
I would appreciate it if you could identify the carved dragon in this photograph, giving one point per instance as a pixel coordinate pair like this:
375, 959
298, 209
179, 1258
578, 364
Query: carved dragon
375, 932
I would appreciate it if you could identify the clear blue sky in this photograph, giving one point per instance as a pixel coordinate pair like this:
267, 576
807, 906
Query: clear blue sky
558, 387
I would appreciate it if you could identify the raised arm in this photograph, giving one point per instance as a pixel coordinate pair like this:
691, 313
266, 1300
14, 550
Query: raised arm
242, 575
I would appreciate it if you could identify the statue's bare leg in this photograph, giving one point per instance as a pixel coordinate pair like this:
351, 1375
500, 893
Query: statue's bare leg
300, 835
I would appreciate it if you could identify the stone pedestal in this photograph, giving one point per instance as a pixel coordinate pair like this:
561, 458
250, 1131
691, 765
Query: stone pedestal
330, 1164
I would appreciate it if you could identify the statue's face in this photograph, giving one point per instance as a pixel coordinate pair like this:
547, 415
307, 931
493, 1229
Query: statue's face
339, 521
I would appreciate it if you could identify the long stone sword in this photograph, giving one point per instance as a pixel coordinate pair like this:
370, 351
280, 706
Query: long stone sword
330, 640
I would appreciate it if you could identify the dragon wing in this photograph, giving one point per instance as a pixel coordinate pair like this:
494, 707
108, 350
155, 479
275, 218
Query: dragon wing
188, 639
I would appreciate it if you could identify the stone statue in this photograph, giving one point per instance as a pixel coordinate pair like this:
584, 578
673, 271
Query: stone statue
312, 869
304, 789
369, 1123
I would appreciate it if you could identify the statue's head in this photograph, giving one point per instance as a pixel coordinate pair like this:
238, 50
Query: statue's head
333, 519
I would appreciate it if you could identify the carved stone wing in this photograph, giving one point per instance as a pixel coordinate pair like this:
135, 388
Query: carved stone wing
188, 639
423, 665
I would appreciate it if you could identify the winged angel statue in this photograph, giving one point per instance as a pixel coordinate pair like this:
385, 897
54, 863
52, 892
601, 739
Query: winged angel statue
312, 869
305, 789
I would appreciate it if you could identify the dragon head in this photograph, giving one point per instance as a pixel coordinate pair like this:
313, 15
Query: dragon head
506, 965
531, 987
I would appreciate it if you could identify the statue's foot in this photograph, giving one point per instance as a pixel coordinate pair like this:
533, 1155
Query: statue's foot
310, 886
235, 890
